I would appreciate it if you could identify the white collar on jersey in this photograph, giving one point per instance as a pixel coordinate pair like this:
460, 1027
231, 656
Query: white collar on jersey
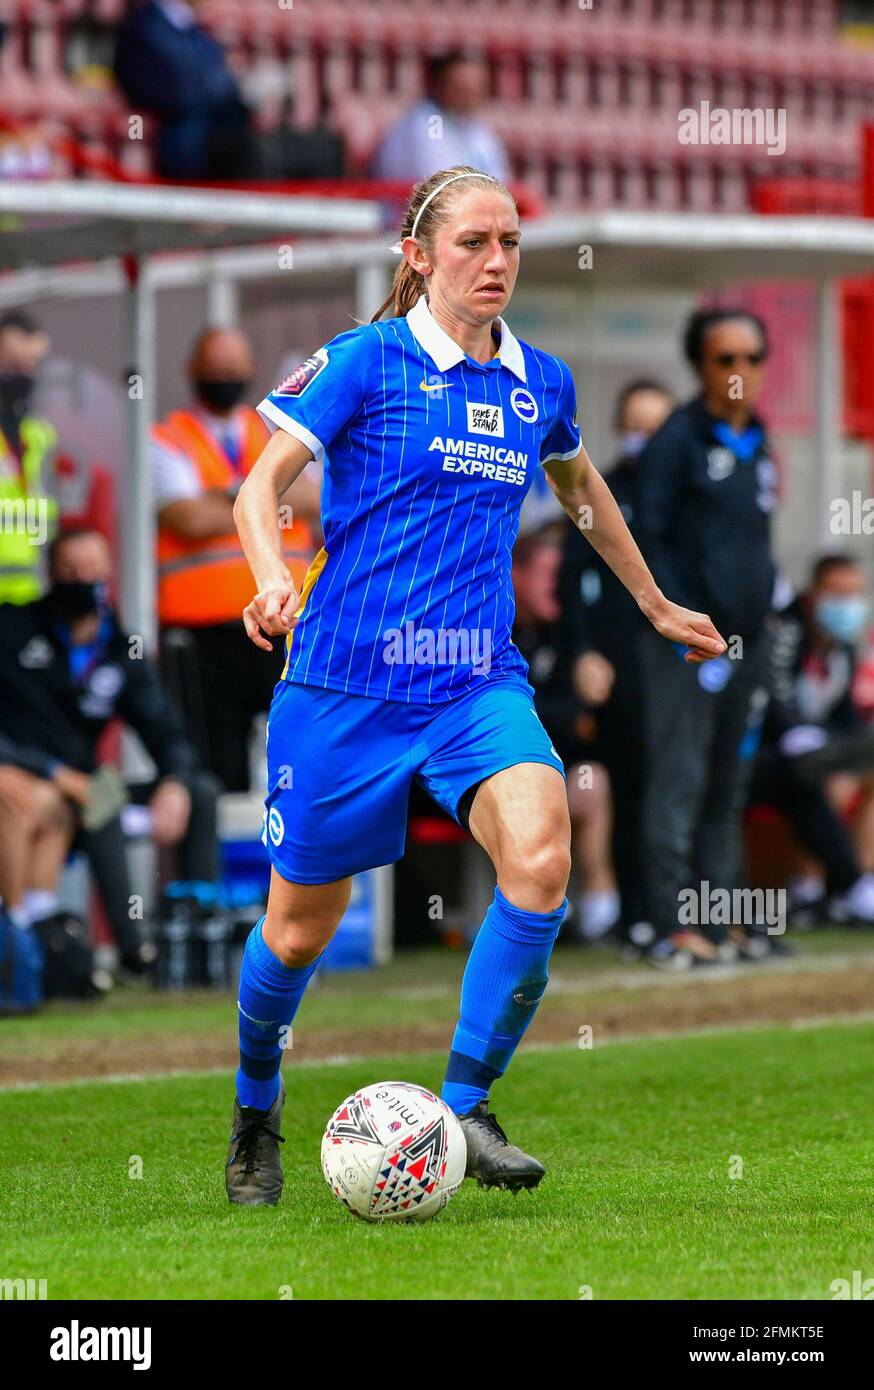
445, 352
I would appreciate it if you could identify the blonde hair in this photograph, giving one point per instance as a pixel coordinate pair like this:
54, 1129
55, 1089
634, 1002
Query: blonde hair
408, 284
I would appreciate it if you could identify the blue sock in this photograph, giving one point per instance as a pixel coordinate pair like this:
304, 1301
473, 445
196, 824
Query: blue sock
270, 993
504, 982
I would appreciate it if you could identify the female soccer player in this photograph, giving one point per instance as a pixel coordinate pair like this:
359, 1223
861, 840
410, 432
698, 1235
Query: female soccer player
399, 658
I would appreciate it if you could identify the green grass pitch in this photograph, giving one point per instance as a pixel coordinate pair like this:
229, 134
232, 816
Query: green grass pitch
639, 1139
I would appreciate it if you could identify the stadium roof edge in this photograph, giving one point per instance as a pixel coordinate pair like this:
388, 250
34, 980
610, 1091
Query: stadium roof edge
67, 223
703, 249
53, 223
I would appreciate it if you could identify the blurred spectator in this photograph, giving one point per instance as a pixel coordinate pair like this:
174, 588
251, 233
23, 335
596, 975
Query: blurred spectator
814, 731
28, 509
863, 680
707, 488
24, 152
36, 830
169, 67
444, 128
66, 671
199, 457
553, 673
603, 621
863, 699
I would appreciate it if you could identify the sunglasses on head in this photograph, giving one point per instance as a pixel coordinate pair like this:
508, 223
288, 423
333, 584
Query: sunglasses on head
736, 359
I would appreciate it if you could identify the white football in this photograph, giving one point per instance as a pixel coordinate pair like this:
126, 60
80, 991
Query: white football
393, 1152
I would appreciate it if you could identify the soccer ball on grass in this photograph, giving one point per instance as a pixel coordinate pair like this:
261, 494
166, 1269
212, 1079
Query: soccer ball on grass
393, 1152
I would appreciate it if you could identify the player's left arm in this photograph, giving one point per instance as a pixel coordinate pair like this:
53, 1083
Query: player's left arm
592, 507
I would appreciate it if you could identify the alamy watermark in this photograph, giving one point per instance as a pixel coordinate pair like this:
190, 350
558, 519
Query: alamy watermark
27, 516
719, 125
856, 1288
78, 1343
30, 1290
737, 907
852, 516
443, 646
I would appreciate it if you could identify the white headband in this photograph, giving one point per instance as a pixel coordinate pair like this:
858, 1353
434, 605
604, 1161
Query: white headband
397, 248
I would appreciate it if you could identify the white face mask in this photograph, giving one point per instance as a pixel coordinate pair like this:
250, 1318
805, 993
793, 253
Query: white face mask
632, 443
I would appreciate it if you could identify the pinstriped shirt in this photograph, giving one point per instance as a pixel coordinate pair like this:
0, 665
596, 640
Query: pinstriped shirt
428, 457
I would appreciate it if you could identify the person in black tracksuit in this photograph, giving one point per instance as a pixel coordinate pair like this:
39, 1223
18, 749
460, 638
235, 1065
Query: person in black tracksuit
812, 717
66, 670
602, 617
708, 486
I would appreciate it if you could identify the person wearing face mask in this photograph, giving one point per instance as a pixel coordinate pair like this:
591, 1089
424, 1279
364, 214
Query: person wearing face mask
199, 458
813, 730
602, 624
28, 509
66, 671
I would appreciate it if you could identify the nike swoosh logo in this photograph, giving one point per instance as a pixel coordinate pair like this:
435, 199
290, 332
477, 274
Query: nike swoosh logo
439, 386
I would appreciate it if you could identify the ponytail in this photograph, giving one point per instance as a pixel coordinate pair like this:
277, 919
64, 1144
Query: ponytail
406, 288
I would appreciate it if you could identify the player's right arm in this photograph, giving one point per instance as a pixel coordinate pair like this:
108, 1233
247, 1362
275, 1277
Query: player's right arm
307, 410
256, 514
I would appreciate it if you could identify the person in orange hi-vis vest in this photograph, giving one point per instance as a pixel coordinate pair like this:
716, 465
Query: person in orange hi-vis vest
199, 458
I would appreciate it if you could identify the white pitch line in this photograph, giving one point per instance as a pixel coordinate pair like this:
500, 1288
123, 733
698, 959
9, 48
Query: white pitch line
119, 1078
353, 1058
795, 965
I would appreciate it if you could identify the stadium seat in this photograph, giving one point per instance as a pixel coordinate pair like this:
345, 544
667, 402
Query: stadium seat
303, 85
563, 79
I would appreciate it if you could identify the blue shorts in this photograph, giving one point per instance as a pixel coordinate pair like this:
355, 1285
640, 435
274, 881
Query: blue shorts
340, 768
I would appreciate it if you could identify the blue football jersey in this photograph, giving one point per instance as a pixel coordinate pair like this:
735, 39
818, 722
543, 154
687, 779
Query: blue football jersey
428, 457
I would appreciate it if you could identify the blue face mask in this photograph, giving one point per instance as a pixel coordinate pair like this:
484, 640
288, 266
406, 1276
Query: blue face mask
632, 443
842, 618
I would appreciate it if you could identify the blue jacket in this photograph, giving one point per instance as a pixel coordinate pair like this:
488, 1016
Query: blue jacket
704, 513
180, 76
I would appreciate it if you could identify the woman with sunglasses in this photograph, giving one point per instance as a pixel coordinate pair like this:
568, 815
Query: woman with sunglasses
708, 485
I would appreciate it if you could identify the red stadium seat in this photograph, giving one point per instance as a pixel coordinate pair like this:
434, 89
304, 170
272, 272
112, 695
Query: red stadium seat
580, 95
304, 86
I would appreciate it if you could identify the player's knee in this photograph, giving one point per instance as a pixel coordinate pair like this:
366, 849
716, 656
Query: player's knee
544, 866
297, 944
297, 935
296, 956
551, 869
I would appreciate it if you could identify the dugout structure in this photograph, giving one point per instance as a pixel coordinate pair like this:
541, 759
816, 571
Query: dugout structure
81, 240
75, 238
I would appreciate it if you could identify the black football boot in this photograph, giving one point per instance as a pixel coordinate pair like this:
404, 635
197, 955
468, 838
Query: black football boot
253, 1172
491, 1158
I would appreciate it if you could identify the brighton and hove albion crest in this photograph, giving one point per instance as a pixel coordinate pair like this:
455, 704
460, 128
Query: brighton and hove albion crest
297, 381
